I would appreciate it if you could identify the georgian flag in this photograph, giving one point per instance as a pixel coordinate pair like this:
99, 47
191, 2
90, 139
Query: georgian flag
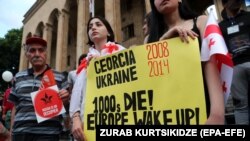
213, 44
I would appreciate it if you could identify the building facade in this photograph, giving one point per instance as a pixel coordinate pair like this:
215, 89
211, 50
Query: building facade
63, 23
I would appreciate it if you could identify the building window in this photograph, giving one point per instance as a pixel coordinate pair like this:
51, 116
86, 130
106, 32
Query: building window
68, 60
128, 32
126, 5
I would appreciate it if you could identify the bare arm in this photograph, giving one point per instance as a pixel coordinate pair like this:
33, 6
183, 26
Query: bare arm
180, 31
217, 108
77, 127
76, 106
212, 77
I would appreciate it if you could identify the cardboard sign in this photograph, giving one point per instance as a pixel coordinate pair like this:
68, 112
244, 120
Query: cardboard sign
153, 84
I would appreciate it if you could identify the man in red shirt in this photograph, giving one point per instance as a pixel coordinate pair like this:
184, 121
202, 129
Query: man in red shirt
7, 107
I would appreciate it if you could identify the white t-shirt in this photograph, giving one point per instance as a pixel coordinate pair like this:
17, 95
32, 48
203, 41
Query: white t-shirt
72, 77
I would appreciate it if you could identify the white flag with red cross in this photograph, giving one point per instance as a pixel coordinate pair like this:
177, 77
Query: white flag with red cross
213, 44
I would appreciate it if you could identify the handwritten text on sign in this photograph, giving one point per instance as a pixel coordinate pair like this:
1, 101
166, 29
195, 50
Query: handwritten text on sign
153, 84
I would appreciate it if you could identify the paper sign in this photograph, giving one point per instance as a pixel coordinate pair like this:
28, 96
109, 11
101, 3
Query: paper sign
47, 103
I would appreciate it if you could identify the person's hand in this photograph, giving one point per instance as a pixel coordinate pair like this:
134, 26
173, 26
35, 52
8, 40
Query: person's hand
183, 33
64, 95
77, 128
92, 57
215, 120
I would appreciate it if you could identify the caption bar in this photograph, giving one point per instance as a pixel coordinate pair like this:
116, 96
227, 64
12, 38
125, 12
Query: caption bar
196, 131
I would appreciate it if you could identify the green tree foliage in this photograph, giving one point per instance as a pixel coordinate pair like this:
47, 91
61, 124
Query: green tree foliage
10, 47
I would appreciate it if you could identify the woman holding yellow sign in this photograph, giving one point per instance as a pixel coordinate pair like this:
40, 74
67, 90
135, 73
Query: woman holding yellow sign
172, 18
101, 42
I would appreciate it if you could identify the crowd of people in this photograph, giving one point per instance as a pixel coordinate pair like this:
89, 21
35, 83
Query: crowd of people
167, 19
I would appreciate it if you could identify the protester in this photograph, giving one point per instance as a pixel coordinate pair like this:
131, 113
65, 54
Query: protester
101, 42
235, 28
39, 76
72, 78
174, 18
72, 74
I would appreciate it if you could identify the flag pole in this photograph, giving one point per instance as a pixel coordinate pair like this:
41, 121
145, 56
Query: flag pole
92, 7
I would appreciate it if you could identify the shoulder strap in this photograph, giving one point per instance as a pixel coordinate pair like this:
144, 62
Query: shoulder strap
195, 25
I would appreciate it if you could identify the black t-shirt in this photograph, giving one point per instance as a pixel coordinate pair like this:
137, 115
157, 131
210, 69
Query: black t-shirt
236, 32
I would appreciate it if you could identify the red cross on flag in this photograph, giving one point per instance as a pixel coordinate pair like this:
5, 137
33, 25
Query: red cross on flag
213, 44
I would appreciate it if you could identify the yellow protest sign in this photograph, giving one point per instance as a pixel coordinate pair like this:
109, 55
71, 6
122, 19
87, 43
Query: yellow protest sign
152, 84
